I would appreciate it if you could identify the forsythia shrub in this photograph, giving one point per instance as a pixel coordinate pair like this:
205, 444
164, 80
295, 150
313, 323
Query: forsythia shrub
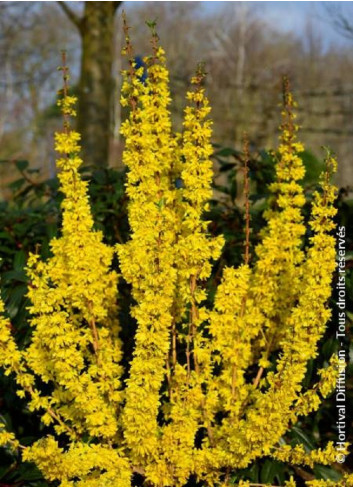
208, 391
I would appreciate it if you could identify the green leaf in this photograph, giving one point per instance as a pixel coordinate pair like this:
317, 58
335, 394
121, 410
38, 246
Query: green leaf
225, 166
227, 152
17, 184
271, 470
322, 472
22, 165
18, 275
329, 348
313, 167
299, 436
16, 297
19, 260
29, 472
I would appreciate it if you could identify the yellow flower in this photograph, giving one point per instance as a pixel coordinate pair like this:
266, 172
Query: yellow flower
209, 389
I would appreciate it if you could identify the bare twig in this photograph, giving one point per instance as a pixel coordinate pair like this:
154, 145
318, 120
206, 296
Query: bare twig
246, 196
71, 15
93, 327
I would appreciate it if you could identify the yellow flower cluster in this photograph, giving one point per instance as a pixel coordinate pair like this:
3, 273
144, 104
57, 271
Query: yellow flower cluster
75, 348
74, 309
209, 389
346, 481
280, 253
147, 261
304, 327
83, 465
7, 438
311, 399
298, 455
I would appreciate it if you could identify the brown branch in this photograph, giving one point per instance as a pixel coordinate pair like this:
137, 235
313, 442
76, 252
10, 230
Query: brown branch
169, 377
258, 377
130, 55
154, 41
246, 160
95, 336
71, 15
261, 369
188, 353
52, 413
246, 195
138, 470
174, 343
193, 318
65, 89
234, 378
288, 106
192, 331
171, 360
303, 473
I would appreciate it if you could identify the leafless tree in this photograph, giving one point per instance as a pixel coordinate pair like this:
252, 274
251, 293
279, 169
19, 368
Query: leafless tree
96, 86
340, 18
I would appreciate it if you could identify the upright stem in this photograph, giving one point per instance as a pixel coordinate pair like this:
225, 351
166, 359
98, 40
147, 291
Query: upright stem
246, 196
130, 56
65, 72
95, 336
193, 318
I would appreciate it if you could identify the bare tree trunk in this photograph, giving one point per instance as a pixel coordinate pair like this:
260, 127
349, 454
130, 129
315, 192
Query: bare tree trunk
96, 84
